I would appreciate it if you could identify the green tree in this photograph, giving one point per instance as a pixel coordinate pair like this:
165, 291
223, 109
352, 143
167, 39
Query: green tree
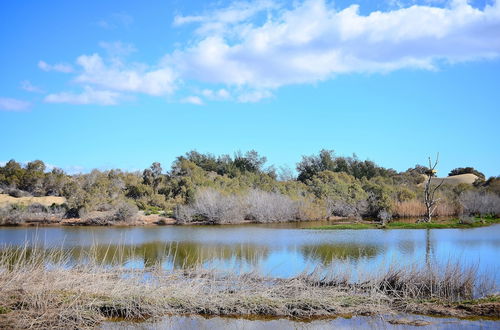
33, 178
152, 176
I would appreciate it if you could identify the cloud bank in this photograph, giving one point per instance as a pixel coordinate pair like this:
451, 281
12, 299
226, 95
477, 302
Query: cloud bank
249, 49
313, 41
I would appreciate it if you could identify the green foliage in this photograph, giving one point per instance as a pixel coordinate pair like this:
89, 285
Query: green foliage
379, 197
152, 176
11, 174
491, 185
404, 194
326, 185
327, 161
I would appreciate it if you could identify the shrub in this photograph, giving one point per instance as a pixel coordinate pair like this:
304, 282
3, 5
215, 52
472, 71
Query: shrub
264, 206
14, 192
480, 203
341, 208
384, 216
16, 213
211, 206
466, 219
125, 212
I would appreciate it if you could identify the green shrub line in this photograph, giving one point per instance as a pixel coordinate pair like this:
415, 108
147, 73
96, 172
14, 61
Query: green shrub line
211, 189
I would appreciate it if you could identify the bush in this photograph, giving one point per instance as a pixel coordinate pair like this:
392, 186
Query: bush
264, 206
125, 212
384, 216
466, 220
480, 203
17, 214
341, 208
14, 192
121, 212
211, 206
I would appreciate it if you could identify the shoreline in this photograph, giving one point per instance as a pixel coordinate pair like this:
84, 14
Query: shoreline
338, 223
450, 224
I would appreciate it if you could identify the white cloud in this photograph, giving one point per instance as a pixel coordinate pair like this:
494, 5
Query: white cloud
253, 48
133, 78
313, 41
88, 96
217, 95
60, 67
218, 21
196, 100
29, 87
9, 104
254, 96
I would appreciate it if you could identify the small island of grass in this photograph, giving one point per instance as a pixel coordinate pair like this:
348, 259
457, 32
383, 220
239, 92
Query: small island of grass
453, 223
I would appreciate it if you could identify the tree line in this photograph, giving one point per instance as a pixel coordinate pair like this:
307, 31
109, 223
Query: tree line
233, 188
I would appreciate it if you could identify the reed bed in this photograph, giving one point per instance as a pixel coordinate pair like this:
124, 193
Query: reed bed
35, 293
416, 208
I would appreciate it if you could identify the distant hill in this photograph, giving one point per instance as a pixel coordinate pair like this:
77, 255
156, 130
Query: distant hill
468, 178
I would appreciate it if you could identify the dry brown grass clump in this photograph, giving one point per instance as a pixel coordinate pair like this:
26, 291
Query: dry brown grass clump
45, 200
34, 294
416, 208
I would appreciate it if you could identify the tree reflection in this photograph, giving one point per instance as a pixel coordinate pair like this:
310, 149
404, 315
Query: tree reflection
167, 254
326, 253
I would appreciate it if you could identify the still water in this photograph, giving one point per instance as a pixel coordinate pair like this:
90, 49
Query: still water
358, 322
276, 250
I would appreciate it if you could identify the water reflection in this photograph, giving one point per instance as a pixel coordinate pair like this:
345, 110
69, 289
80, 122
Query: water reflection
357, 322
278, 250
327, 253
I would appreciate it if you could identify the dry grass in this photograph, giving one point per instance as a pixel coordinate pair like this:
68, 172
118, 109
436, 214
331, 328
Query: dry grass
415, 208
6, 200
35, 294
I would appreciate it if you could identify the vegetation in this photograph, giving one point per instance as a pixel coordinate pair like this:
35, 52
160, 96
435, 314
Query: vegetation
462, 222
66, 296
231, 189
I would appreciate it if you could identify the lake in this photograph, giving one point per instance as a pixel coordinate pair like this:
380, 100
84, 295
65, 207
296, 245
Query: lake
357, 322
280, 250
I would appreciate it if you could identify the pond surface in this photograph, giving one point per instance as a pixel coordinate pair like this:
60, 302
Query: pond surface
277, 250
359, 322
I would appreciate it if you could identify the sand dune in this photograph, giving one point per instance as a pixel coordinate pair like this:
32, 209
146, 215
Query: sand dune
468, 178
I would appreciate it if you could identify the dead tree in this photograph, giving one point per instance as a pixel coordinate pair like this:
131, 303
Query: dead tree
430, 200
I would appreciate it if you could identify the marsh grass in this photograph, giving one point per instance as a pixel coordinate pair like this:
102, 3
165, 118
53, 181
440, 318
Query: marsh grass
41, 288
448, 224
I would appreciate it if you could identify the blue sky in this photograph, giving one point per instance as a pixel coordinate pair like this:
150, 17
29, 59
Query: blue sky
118, 84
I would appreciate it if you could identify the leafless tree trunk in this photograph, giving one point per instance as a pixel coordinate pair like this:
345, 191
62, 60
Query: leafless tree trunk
429, 191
